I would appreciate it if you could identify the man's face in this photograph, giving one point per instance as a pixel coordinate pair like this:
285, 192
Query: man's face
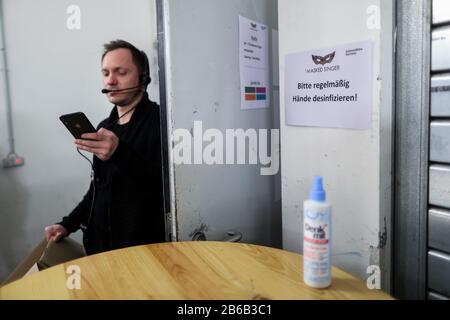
119, 72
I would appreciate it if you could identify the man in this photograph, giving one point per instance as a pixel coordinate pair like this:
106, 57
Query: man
124, 204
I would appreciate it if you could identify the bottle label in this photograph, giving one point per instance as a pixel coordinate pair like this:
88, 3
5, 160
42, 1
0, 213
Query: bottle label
316, 246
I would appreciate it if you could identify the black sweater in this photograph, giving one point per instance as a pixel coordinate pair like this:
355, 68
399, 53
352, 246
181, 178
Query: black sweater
128, 187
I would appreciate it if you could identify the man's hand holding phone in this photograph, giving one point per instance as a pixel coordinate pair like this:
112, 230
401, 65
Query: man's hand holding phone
102, 143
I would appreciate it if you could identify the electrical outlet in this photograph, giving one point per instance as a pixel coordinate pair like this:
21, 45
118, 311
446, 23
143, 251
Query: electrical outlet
13, 160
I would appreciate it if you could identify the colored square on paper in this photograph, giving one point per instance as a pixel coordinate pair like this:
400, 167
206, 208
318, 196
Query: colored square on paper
250, 90
261, 90
250, 97
261, 97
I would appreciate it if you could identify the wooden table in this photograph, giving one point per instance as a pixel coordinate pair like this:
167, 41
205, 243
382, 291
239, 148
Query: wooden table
188, 270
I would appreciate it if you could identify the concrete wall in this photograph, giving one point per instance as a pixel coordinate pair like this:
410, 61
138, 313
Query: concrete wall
54, 70
355, 164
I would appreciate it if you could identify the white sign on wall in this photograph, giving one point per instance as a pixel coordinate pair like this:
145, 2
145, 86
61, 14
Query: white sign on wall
254, 64
330, 87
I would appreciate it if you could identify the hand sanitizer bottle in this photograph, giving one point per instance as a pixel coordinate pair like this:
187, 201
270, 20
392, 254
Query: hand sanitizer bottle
317, 238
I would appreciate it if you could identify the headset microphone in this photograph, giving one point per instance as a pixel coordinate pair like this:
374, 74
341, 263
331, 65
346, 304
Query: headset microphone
105, 91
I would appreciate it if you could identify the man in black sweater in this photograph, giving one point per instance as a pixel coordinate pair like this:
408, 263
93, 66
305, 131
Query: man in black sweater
124, 204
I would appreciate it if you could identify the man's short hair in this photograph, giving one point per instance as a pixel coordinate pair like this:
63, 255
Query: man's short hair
139, 58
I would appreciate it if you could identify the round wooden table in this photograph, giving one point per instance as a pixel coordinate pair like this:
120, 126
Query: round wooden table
187, 270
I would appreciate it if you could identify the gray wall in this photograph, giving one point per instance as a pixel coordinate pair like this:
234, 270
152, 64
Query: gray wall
356, 164
204, 85
54, 70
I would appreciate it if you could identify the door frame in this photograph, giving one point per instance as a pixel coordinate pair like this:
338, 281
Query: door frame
161, 21
413, 69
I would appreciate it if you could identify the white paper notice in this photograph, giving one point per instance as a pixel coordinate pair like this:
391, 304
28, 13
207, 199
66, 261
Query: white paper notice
254, 64
330, 87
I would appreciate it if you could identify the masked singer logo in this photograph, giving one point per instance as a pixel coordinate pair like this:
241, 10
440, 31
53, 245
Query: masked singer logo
324, 60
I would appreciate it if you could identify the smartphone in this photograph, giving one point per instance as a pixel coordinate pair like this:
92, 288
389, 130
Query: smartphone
77, 123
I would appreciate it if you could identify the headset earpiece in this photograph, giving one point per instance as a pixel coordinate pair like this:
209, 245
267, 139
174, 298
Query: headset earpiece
145, 76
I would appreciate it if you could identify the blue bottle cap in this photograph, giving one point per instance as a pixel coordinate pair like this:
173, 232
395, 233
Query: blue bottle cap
317, 192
